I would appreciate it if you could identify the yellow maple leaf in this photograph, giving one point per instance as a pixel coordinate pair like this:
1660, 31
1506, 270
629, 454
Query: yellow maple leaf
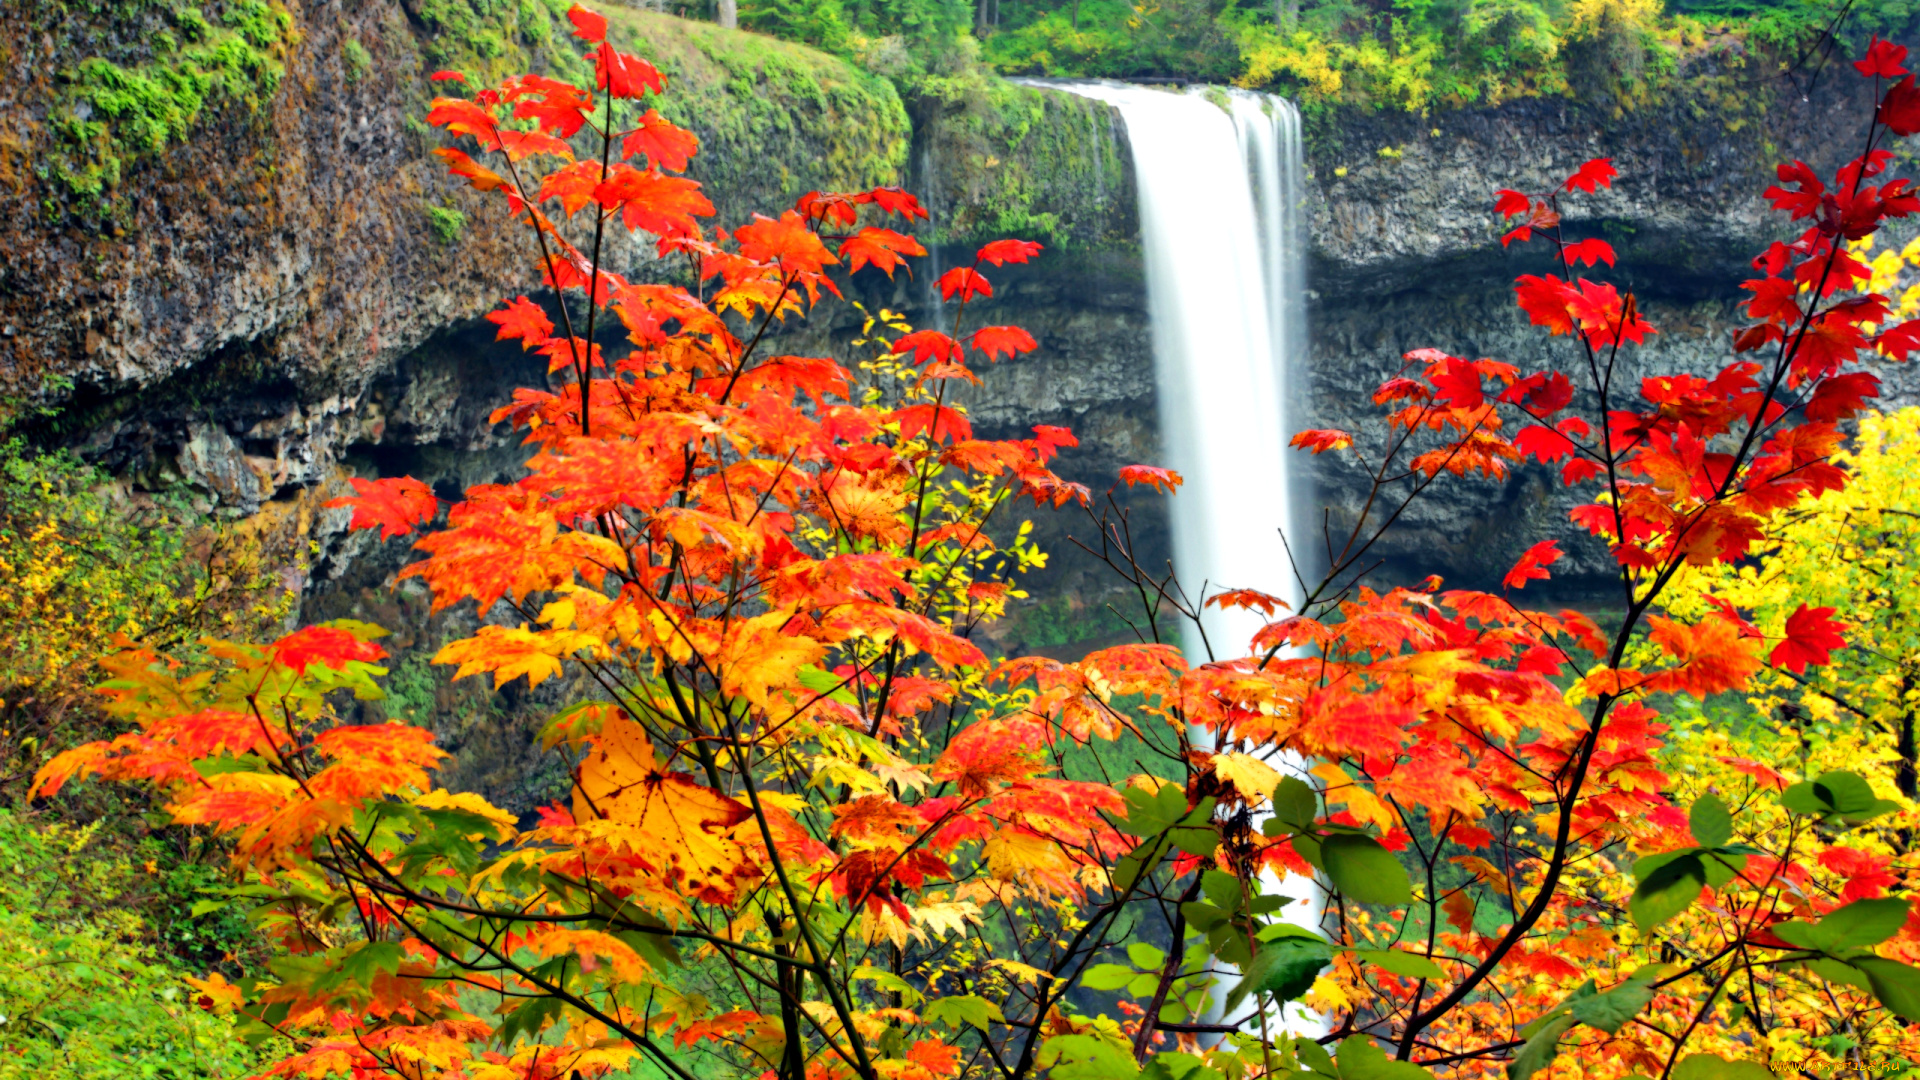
1252, 778
757, 660
510, 652
442, 799
677, 822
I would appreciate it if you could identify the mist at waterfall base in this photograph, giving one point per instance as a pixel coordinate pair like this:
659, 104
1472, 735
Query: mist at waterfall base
1220, 186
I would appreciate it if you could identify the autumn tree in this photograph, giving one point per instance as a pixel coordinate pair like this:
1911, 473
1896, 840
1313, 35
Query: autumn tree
815, 833
1850, 560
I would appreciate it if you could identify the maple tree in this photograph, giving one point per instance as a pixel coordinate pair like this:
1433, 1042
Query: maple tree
1843, 566
816, 833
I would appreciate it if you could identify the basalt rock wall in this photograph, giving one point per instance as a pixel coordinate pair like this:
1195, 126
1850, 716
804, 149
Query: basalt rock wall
1407, 254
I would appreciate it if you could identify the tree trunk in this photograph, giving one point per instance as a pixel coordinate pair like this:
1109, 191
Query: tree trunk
730, 14
1907, 771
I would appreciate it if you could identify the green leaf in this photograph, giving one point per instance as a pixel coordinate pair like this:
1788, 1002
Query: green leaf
1278, 930
1201, 840
1203, 916
968, 1009
1866, 922
1711, 823
1108, 977
1839, 971
1897, 985
1839, 794
1364, 871
1146, 957
887, 980
1223, 890
1285, 968
362, 963
1173, 1065
1360, 1059
1612, 1010
1711, 1067
826, 682
1294, 803
1144, 984
1667, 891
1307, 846
1086, 1057
201, 907
1859, 924
1803, 798
1314, 1056
1411, 965
1149, 813
1541, 1047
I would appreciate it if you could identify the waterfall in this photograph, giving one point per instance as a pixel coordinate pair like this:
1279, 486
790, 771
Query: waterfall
1220, 187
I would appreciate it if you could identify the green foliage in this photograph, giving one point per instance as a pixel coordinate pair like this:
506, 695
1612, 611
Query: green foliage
1063, 620
81, 564
84, 995
1411, 54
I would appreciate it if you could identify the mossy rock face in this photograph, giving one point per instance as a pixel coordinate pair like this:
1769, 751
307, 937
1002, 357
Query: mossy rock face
255, 174
1005, 159
775, 119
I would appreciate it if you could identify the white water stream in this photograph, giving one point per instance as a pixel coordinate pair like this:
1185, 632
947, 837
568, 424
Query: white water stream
1220, 190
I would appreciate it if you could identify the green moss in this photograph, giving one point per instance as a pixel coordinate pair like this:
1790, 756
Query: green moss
359, 62
491, 39
115, 112
774, 119
448, 223
1014, 161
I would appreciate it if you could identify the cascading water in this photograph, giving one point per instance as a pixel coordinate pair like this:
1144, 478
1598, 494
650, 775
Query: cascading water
1220, 188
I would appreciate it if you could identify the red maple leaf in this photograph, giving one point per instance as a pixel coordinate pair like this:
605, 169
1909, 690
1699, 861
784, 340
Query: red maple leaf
1595, 174
1151, 475
328, 646
587, 25
459, 164
395, 505
1804, 202
1321, 440
1533, 564
1773, 299
1002, 252
996, 341
1544, 299
624, 75
892, 200
922, 344
1267, 603
1839, 397
1456, 383
1900, 109
1899, 340
1510, 203
522, 320
1883, 60
661, 142
1591, 251
943, 423
883, 248
1811, 637
966, 282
